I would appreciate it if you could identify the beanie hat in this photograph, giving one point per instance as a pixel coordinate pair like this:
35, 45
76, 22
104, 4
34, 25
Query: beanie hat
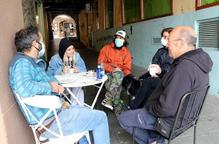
63, 45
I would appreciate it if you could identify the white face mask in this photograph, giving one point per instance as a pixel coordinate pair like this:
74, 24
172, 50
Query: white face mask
163, 41
42, 51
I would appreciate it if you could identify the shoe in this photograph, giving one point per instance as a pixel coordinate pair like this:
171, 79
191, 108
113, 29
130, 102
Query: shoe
120, 107
107, 103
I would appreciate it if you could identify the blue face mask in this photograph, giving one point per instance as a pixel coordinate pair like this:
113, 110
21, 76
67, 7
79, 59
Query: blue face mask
119, 42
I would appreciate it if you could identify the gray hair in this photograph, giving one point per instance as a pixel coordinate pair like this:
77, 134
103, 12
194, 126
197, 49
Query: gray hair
24, 38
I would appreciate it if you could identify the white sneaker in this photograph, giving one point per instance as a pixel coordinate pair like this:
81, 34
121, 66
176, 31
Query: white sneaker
107, 103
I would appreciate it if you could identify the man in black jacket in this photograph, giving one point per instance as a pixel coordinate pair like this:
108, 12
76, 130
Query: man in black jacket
190, 71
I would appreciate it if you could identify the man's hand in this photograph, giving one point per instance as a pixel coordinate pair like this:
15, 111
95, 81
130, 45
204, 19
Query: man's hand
57, 88
154, 69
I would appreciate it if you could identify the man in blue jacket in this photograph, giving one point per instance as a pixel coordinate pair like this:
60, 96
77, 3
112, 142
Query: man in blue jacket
189, 72
27, 79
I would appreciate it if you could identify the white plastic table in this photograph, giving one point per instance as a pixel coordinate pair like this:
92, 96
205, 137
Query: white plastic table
81, 80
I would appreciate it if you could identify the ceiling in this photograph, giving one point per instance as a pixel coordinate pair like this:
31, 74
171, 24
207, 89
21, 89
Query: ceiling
65, 5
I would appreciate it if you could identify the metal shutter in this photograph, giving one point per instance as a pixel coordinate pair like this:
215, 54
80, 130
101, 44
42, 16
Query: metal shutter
208, 34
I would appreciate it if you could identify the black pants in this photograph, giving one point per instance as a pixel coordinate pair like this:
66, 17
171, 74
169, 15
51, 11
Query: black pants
147, 87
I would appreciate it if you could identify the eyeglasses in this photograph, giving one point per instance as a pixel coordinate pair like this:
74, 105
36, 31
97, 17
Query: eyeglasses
40, 47
169, 41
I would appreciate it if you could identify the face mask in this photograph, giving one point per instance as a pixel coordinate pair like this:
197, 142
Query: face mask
163, 41
119, 42
42, 51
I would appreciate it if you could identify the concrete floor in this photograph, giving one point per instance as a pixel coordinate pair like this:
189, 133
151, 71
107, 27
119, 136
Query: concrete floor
208, 126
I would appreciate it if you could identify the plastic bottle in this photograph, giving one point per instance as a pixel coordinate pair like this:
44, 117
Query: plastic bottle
102, 67
99, 72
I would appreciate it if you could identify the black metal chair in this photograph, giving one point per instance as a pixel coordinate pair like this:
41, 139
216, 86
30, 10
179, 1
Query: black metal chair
187, 114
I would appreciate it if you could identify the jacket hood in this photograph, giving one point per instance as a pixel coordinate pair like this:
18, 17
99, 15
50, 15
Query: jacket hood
200, 58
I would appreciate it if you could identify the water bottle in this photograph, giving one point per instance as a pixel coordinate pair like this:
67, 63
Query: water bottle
99, 72
102, 68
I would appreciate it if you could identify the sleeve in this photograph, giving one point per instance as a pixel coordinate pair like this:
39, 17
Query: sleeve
25, 83
174, 88
155, 59
127, 65
103, 59
80, 63
54, 67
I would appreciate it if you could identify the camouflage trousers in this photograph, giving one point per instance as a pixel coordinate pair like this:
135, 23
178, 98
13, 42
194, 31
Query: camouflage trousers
113, 89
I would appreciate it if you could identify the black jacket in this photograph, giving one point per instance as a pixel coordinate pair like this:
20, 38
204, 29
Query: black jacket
163, 59
189, 72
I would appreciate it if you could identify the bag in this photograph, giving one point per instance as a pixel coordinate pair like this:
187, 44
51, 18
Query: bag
162, 127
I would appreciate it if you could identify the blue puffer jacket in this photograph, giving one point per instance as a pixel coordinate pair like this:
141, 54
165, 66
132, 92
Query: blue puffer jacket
27, 79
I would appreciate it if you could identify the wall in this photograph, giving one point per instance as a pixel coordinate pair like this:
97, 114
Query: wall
83, 22
180, 6
143, 49
13, 129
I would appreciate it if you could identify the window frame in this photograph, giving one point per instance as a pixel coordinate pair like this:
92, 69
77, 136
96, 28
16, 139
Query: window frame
198, 6
141, 8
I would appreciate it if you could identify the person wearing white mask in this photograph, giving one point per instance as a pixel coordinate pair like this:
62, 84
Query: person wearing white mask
27, 79
161, 63
116, 60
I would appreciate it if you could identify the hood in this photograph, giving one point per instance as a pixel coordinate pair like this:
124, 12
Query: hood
200, 58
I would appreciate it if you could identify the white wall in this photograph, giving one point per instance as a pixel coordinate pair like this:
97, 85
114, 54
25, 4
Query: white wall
141, 45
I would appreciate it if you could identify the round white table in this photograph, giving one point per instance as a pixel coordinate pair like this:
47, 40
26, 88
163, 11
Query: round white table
81, 80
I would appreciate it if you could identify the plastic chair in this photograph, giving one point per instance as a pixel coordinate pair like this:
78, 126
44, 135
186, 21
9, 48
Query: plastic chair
52, 103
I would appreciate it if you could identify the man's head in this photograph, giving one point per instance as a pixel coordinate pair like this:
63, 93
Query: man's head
29, 40
181, 40
120, 39
165, 35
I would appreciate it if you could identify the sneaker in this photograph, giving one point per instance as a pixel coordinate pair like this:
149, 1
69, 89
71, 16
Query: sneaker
120, 107
107, 103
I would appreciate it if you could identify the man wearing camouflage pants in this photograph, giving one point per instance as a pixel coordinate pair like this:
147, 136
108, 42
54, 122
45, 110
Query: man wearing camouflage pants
116, 60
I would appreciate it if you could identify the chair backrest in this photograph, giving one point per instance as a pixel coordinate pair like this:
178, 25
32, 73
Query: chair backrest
188, 111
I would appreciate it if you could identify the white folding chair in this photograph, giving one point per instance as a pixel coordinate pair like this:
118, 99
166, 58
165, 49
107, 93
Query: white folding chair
52, 103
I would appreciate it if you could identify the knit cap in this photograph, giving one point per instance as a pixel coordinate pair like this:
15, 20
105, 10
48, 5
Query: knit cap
63, 45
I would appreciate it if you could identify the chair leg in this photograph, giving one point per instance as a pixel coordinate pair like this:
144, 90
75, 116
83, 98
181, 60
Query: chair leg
169, 141
194, 138
133, 136
35, 136
87, 135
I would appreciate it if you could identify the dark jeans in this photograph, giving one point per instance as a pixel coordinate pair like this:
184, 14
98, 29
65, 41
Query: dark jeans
147, 87
140, 123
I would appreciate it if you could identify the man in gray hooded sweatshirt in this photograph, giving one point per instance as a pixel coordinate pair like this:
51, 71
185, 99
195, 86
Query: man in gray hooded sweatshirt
189, 72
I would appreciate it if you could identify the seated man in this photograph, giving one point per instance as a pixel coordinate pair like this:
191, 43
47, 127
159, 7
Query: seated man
68, 60
189, 72
161, 64
116, 60
28, 79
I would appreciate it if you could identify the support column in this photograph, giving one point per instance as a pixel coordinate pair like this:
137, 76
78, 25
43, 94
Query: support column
28, 12
117, 13
102, 14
